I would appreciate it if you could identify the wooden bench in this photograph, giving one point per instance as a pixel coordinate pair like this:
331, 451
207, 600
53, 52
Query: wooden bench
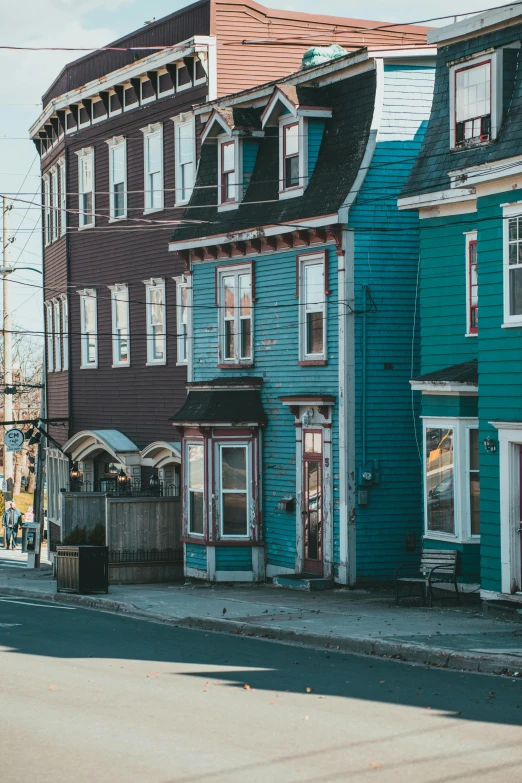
436, 566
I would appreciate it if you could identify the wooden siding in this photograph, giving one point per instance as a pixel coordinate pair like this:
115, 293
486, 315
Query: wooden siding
58, 404
233, 558
257, 44
386, 260
143, 523
196, 556
275, 356
315, 137
138, 400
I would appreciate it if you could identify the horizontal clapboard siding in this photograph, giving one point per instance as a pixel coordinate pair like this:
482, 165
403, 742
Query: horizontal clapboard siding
196, 556
276, 361
386, 260
233, 558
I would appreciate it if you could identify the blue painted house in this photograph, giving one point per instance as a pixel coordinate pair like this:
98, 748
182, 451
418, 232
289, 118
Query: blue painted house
467, 189
298, 436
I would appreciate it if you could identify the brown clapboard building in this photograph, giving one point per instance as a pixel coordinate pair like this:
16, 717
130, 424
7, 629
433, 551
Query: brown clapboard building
119, 146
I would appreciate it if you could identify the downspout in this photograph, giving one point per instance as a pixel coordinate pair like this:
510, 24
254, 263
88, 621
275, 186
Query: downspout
363, 382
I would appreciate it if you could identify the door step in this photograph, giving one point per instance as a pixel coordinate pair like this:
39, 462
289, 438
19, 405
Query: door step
308, 582
503, 610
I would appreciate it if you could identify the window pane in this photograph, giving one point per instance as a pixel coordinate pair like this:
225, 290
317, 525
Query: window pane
86, 174
474, 482
118, 164
154, 153
196, 512
513, 222
292, 172
439, 480
121, 311
233, 468
156, 309
235, 521
185, 143
515, 291
89, 313
229, 296
473, 93
229, 339
228, 157
195, 460
291, 140
314, 284
246, 338
313, 442
245, 298
314, 333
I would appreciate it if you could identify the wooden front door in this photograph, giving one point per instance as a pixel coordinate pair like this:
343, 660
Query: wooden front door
313, 501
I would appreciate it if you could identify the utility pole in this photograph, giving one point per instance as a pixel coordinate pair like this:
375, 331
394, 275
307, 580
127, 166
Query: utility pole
7, 329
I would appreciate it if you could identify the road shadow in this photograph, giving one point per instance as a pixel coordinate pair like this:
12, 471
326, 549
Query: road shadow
60, 632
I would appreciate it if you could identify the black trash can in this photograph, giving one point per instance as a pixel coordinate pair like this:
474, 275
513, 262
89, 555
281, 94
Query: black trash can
82, 569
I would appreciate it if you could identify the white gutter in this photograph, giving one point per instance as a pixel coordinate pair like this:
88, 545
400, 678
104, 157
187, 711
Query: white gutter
437, 198
478, 23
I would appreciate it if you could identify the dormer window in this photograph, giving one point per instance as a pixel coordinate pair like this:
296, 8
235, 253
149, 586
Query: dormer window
291, 155
473, 104
229, 164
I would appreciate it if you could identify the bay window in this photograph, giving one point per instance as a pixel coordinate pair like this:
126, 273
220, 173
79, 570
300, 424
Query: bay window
195, 461
120, 325
233, 483
185, 157
86, 187
235, 309
451, 479
89, 328
312, 308
156, 322
118, 177
153, 154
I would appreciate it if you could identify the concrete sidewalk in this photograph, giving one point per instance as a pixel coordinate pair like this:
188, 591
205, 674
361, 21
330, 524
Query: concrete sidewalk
360, 621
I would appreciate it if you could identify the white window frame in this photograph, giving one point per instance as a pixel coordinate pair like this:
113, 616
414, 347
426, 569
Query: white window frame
65, 331
304, 260
247, 447
94, 119
150, 132
182, 330
63, 197
302, 124
189, 84
184, 120
202, 491
495, 56
88, 293
47, 210
144, 101
119, 292
461, 499
151, 285
509, 211
509, 443
234, 270
50, 335
117, 142
57, 335
224, 205
114, 112
55, 198
470, 236
86, 153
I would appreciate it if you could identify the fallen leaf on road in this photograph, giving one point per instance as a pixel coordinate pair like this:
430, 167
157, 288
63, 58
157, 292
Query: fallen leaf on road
246, 687
52, 687
272, 702
374, 765
309, 690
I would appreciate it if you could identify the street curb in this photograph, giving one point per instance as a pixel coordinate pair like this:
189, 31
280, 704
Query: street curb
409, 653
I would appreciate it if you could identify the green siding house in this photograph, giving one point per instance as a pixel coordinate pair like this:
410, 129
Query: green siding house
300, 288
467, 188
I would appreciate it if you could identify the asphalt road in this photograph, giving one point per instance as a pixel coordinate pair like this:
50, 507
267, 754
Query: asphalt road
88, 696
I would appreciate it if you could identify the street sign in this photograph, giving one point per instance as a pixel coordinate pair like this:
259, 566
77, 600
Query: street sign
14, 440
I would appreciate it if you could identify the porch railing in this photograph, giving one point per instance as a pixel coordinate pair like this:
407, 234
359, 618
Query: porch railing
127, 487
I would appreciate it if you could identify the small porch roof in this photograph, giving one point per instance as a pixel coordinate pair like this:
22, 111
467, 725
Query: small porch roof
225, 401
84, 444
461, 377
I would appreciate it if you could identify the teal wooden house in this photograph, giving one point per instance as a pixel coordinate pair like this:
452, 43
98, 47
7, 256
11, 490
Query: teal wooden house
299, 452
467, 188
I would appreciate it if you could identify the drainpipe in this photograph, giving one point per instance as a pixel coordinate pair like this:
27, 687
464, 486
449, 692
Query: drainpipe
363, 380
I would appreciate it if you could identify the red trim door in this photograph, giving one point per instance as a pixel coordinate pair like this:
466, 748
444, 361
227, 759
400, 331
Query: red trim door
313, 501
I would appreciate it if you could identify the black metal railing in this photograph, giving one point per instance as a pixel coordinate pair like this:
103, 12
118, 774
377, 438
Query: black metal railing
127, 556
127, 487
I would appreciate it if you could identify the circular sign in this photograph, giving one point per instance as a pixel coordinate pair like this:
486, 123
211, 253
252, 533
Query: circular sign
14, 440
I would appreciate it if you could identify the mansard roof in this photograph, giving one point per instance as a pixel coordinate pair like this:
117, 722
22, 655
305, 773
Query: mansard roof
344, 141
436, 160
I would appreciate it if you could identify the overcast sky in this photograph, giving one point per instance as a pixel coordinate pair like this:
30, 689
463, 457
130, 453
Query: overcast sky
86, 23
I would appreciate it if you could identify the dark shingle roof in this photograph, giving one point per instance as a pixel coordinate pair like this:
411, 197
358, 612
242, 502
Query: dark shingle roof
344, 143
465, 372
435, 160
238, 118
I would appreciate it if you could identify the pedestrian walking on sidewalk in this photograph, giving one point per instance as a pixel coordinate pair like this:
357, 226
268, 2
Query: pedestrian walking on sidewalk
11, 519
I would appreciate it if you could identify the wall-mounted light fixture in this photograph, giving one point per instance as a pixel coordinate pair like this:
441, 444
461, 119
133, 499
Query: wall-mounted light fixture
490, 445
